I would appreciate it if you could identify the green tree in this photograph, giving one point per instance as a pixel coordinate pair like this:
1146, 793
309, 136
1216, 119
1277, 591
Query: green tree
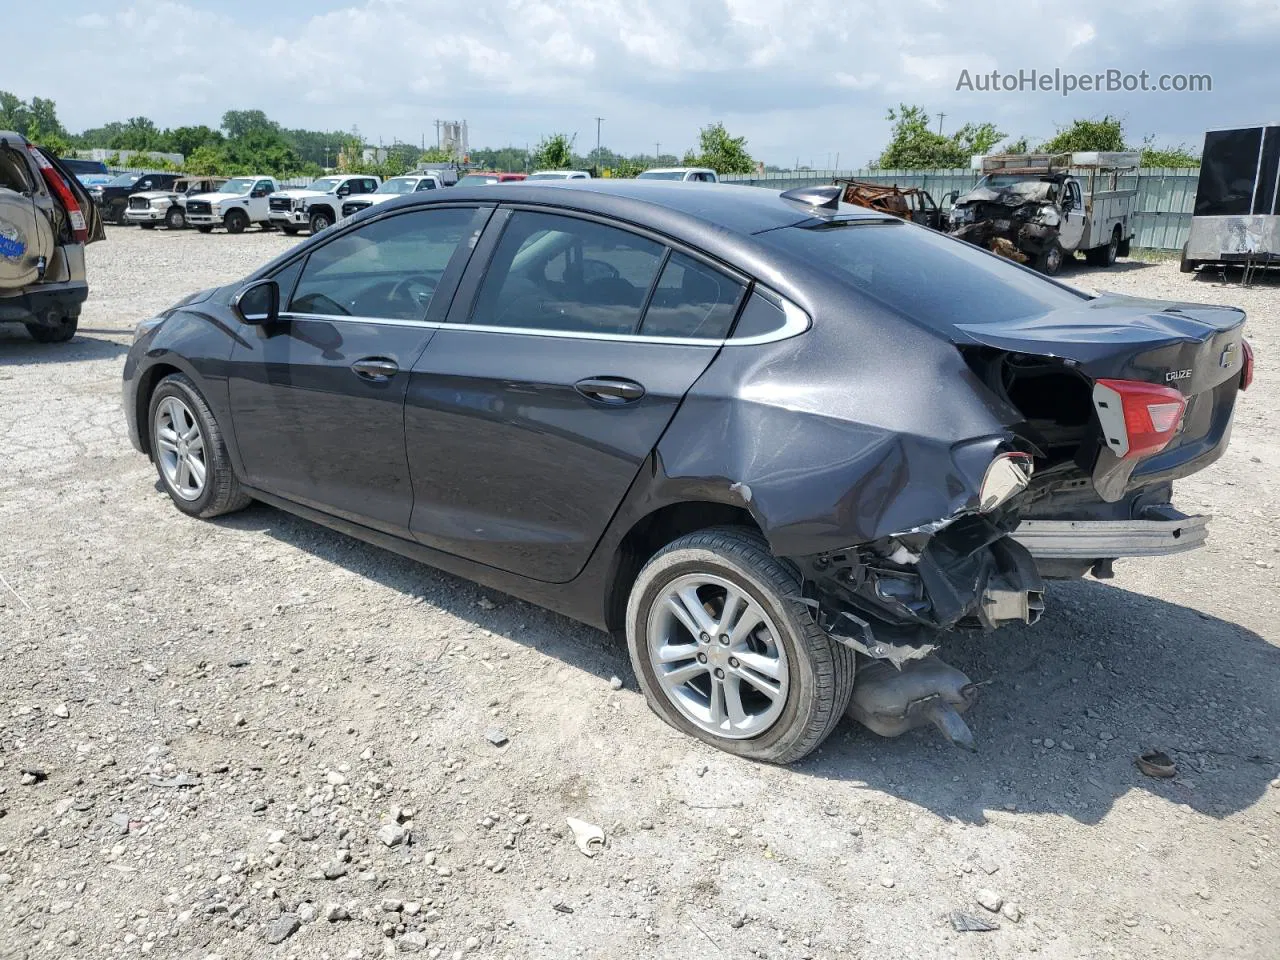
208, 160
719, 151
1179, 156
913, 146
138, 134
187, 140
1105, 134
241, 123
554, 152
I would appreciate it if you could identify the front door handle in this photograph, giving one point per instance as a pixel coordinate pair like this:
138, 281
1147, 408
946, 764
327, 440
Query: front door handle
377, 369
610, 389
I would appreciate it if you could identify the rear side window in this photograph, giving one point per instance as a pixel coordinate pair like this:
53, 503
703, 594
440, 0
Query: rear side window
922, 274
552, 272
691, 300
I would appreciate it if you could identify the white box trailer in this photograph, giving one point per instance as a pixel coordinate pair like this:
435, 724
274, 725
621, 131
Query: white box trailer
1236, 218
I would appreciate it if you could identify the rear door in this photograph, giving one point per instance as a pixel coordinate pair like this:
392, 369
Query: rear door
568, 350
317, 400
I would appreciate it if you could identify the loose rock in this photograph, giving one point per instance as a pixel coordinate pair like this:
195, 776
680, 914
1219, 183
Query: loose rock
284, 927
989, 899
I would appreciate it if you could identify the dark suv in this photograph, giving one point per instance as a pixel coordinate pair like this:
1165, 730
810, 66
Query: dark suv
113, 198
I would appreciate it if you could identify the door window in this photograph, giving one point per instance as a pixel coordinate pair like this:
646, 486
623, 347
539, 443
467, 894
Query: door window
387, 269
262, 188
560, 273
691, 300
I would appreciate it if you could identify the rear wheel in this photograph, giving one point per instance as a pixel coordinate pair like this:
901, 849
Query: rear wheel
725, 653
1050, 260
205, 228
1105, 256
290, 229
147, 226
59, 330
189, 451
176, 218
235, 221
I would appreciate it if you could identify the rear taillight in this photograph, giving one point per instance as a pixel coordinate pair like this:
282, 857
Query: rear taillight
75, 216
1246, 370
1138, 419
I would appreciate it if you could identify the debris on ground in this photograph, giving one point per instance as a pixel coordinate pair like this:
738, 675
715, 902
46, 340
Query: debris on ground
963, 922
1157, 764
588, 837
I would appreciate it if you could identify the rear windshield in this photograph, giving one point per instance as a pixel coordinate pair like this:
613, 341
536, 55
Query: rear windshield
125, 180
661, 175
922, 274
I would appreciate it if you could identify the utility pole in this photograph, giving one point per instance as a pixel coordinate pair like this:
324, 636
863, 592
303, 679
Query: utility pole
940, 116
599, 120
438, 134
657, 153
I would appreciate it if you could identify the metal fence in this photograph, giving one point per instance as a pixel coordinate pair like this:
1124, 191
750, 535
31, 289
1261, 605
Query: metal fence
1162, 220
285, 183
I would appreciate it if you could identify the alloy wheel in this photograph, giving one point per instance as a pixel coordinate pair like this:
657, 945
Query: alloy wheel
716, 655
180, 448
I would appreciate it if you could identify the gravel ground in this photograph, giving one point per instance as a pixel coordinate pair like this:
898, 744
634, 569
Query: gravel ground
257, 731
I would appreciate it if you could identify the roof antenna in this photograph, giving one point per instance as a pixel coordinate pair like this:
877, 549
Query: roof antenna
825, 196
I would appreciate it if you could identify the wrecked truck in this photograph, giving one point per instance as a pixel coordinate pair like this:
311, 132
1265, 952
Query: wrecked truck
786, 447
1041, 209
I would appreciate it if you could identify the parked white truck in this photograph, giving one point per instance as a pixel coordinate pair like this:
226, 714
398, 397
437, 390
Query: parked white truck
1044, 208
239, 202
319, 204
392, 188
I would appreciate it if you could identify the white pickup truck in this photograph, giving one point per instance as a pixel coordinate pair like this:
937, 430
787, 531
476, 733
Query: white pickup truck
239, 202
319, 204
1045, 208
390, 189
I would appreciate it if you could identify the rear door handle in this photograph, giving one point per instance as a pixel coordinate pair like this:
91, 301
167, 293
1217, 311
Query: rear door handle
610, 389
377, 369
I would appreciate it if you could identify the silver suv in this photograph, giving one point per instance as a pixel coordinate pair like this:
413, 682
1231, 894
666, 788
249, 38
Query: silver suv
46, 220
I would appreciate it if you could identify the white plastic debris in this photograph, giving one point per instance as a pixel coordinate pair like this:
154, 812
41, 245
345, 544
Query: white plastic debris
588, 837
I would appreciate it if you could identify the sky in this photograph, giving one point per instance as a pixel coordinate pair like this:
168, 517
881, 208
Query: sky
803, 81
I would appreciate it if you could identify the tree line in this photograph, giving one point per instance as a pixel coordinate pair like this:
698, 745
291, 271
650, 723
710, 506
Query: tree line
249, 142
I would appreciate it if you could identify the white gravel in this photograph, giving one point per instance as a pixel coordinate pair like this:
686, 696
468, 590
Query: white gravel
179, 806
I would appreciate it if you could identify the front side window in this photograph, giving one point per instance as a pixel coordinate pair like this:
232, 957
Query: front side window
691, 300
388, 269
553, 272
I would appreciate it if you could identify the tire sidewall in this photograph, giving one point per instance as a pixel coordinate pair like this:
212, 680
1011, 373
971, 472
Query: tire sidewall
800, 675
175, 387
236, 221
323, 221
175, 219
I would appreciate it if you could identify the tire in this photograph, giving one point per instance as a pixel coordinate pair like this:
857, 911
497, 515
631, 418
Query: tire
220, 492
320, 220
1050, 260
176, 218
60, 332
235, 221
1187, 266
147, 226
1105, 256
205, 228
818, 672
1123, 249
290, 229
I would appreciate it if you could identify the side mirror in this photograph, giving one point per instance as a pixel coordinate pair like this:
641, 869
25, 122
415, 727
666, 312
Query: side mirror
344, 191
950, 198
258, 303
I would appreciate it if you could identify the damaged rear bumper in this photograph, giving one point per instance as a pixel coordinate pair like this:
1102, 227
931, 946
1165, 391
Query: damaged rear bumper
1111, 539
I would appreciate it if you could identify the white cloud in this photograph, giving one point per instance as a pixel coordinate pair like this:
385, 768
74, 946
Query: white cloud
816, 76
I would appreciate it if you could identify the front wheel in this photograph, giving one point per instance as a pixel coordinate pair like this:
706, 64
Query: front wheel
205, 228
726, 653
289, 229
320, 221
189, 451
1050, 260
175, 219
147, 226
236, 221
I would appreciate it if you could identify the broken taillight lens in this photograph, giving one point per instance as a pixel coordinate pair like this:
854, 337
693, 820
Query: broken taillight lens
1138, 419
1246, 371
75, 216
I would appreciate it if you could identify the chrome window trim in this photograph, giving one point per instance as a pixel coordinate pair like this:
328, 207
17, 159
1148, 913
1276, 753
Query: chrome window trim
796, 323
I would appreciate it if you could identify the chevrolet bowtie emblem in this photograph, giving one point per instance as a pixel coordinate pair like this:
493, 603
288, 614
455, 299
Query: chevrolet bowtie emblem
1228, 357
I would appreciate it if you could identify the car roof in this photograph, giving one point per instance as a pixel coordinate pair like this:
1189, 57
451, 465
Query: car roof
679, 170
536, 172
680, 209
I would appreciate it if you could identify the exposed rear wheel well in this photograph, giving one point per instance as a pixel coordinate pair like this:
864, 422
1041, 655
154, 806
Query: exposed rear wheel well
147, 386
653, 532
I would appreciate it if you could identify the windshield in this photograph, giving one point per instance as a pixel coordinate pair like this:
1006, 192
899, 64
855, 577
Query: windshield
923, 275
661, 175
548, 175
324, 184
240, 185
125, 180
399, 185
474, 178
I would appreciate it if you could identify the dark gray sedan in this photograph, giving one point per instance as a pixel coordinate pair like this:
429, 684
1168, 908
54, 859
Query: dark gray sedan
775, 441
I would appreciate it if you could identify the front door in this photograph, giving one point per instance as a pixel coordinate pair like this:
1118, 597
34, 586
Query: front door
317, 400
530, 413
1071, 233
